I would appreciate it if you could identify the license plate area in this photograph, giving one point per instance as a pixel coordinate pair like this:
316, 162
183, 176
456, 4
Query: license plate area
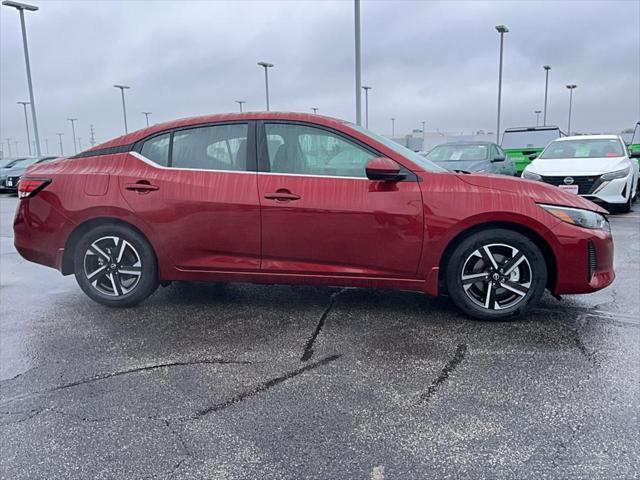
569, 188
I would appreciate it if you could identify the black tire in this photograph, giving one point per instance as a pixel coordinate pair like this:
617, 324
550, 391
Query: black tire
625, 207
469, 259
133, 276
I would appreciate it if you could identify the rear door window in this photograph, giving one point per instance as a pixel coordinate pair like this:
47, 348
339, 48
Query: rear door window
218, 147
156, 149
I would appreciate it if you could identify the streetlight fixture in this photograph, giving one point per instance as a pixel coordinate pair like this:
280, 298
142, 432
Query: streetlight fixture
73, 131
124, 108
60, 142
356, 16
502, 29
571, 88
537, 112
393, 128
266, 66
366, 104
146, 116
315, 110
546, 91
240, 102
26, 123
21, 7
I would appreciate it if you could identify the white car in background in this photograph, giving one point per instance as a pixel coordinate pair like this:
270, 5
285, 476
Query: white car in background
597, 167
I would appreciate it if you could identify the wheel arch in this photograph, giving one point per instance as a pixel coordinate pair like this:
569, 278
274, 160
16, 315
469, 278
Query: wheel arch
81, 229
547, 252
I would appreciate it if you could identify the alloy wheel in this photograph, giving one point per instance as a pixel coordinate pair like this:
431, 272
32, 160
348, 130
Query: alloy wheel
496, 276
113, 266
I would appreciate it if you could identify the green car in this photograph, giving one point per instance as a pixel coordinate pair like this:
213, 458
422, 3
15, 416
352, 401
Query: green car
518, 143
634, 146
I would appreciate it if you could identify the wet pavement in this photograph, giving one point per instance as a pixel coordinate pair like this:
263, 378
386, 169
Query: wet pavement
246, 381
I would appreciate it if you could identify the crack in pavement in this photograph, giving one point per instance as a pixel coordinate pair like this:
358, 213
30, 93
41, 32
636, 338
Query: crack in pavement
308, 349
128, 372
451, 365
265, 386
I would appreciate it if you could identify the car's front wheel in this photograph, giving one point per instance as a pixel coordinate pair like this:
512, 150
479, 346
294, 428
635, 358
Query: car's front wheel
495, 274
115, 266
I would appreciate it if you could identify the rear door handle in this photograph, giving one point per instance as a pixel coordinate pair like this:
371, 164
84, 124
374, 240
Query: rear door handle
141, 187
282, 196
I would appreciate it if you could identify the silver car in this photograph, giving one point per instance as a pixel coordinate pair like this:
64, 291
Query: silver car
473, 157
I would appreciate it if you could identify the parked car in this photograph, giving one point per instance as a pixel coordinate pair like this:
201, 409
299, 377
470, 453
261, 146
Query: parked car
597, 167
10, 175
478, 157
303, 199
634, 145
522, 142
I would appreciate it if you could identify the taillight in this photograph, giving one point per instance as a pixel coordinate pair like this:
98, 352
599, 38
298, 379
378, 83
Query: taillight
29, 187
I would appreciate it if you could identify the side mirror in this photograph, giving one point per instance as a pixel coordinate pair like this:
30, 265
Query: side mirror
498, 158
383, 169
635, 154
533, 156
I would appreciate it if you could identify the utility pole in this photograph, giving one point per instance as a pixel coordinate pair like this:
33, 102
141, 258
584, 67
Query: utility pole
146, 116
502, 29
240, 102
9, 146
92, 138
356, 6
46, 145
73, 130
26, 122
60, 139
546, 92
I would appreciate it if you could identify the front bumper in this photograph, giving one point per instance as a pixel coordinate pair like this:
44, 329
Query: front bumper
584, 259
594, 188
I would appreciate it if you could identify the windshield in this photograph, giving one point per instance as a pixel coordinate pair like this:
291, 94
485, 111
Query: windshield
416, 158
23, 162
595, 148
529, 138
454, 153
636, 135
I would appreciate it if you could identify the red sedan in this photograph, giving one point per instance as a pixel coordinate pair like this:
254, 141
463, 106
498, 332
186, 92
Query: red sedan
303, 199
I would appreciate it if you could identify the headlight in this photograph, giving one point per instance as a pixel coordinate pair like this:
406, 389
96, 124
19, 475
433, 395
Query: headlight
531, 176
617, 174
578, 216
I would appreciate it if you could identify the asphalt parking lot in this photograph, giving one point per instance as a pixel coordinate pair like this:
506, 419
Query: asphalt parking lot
248, 381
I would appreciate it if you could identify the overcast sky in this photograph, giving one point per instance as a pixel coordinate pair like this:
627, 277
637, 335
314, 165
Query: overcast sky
426, 60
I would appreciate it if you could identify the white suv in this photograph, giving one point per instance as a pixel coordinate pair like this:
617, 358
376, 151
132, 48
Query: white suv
597, 167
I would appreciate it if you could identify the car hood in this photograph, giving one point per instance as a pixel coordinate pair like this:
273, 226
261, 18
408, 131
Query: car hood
537, 191
13, 172
577, 166
467, 165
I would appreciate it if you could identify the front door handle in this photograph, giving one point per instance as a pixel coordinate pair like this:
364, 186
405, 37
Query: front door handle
282, 196
141, 187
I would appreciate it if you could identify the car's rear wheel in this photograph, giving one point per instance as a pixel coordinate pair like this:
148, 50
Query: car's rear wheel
496, 274
115, 266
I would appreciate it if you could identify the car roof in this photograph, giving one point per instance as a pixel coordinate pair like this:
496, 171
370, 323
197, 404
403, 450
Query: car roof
589, 137
531, 129
133, 137
469, 142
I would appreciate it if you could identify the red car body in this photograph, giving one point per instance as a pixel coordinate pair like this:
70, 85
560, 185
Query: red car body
228, 226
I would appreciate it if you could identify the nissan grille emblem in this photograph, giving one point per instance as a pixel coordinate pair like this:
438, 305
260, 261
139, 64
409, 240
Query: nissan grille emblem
568, 180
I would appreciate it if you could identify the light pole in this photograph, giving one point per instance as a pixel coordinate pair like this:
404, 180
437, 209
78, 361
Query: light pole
546, 91
60, 140
240, 102
502, 29
393, 128
9, 146
21, 7
146, 116
73, 131
315, 110
124, 108
266, 66
46, 145
80, 143
424, 126
356, 15
537, 112
15, 145
570, 87
366, 104
26, 123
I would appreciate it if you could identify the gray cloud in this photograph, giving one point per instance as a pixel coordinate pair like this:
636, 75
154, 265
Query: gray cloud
432, 61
